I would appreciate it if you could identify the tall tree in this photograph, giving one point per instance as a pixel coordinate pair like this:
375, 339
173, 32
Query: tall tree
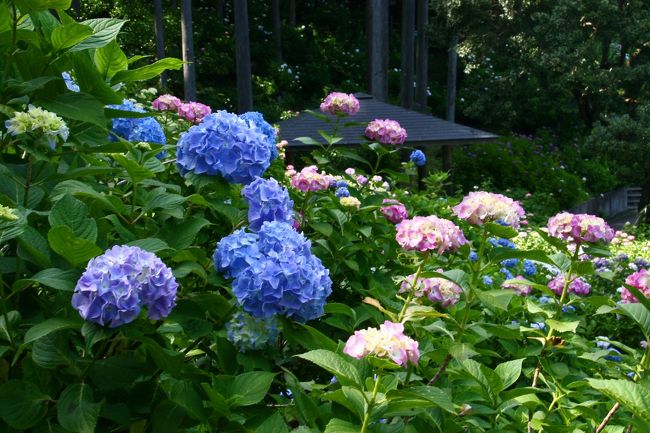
277, 29
422, 72
379, 51
408, 45
243, 57
189, 74
452, 64
160, 37
292, 13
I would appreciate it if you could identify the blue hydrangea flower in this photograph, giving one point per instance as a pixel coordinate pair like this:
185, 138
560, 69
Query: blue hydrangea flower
69, 82
224, 144
136, 130
631, 374
267, 201
546, 300
117, 284
538, 325
503, 243
236, 252
473, 256
341, 184
285, 279
615, 358
257, 119
602, 342
529, 268
568, 309
418, 158
252, 333
510, 263
342, 192
506, 273
488, 281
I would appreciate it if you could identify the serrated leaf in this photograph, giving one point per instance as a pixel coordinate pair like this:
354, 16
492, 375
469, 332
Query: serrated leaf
274, 424
634, 396
639, 314
334, 363
136, 171
50, 325
498, 299
72, 213
30, 6
76, 409
75, 250
59, 279
339, 426
250, 388
153, 245
563, 326
491, 384
78, 106
509, 372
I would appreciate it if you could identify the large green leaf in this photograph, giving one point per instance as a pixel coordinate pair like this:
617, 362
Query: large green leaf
167, 417
423, 396
136, 171
104, 31
52, 277
634, 396
22, 404
69, 34
147, 72
180, 236
78, 106
639, 314
273, 424
29, 6
495, 299
110, 59
91, 81
491, 384
250, 388
73, 213
339, 426
334, 363
185, 395
563, 326
509, 372
50, 325
76, 409
74, 249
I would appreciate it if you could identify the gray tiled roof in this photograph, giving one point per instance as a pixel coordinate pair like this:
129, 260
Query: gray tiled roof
422, 129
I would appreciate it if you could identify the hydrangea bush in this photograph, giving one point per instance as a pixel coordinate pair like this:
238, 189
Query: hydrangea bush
219, 289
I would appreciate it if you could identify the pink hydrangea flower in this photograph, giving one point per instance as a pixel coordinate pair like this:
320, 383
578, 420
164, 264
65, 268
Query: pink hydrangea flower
640, 280
394, 211
578, 286
429, 233
309, 179
438, 290
337, 103
480, 207
194, 111
388, 342
166, 103
579, 228
520, 289
386, 131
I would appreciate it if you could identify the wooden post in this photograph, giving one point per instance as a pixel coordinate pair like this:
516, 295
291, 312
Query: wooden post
243, 58
159, 31
421, 96
380, 49
451, 96
187, 36
408, 34
277, 27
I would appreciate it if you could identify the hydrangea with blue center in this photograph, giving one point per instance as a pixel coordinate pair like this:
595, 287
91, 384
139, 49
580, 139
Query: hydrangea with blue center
342, 192
267, 129
267, 201
226, 145
251, 333
145, 129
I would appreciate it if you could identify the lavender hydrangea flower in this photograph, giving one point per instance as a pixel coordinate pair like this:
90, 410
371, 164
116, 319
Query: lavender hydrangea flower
117, 284
267, 201
251, 333
136, 130
257, 119
224, 144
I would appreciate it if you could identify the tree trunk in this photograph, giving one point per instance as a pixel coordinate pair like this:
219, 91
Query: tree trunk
277, 29
243, 58
369, 46
292, 13
421, 96
380, 49
408, 44
187, 35
160, 38
451, 95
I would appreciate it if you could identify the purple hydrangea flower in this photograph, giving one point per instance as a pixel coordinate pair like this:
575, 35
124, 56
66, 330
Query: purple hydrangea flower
267, 201
135, 130
252, 333
224, 144
257, 120
578, 286
418, 158
117, 284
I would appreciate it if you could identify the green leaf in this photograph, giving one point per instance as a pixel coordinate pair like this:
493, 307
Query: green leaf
51, 351
70, 34
104, 31
509, 372
308, 140
183, 394
501, 231
634, 396
490, 382
36, 246
91, 81
180, 236
563, 326
75, 250
638, 313
53, 277
250, 388
339, 426
22, 404
30, 6
71, 212
76, 409
435, 395
274, 424
147, 72
495, 299
50, 325
167, 417
110, 59
334, 363
136, 171
153, 245
82, 189
323, 228
78, 106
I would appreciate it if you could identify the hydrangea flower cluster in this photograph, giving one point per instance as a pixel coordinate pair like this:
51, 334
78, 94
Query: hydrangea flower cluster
479, 207
309, 179
438, 290
418, 158
38, 121
394, 211
579, 228
252, 333
640, 280
193, 112
429, 233
386, 131
350, 202
224, 144
146, 129
116, 285
342, 192
274, 272
578, 286
267, 201
520, 289
257, 119
166, 103
340, 104
388, 341
69, 82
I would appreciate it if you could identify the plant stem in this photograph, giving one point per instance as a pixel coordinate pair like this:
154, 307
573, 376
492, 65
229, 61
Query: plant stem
371, 403
414, 284
609, 416
28, 181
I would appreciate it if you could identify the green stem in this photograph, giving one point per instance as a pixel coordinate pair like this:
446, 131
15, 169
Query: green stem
28, 181
411, 293
371, 403
5, 312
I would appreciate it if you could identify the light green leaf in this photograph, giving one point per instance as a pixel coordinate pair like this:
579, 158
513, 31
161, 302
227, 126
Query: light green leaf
75, 250
76, 409
501, 231
250, 388
490, 382
435, 396
323, 228
69, 34
495, 299
29, 6
104, 31
339, 426
639, 314
634, 396
147, 72
509, 372
136, 171
110, 59
153, 245
50, 325
563, 326
334, 363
